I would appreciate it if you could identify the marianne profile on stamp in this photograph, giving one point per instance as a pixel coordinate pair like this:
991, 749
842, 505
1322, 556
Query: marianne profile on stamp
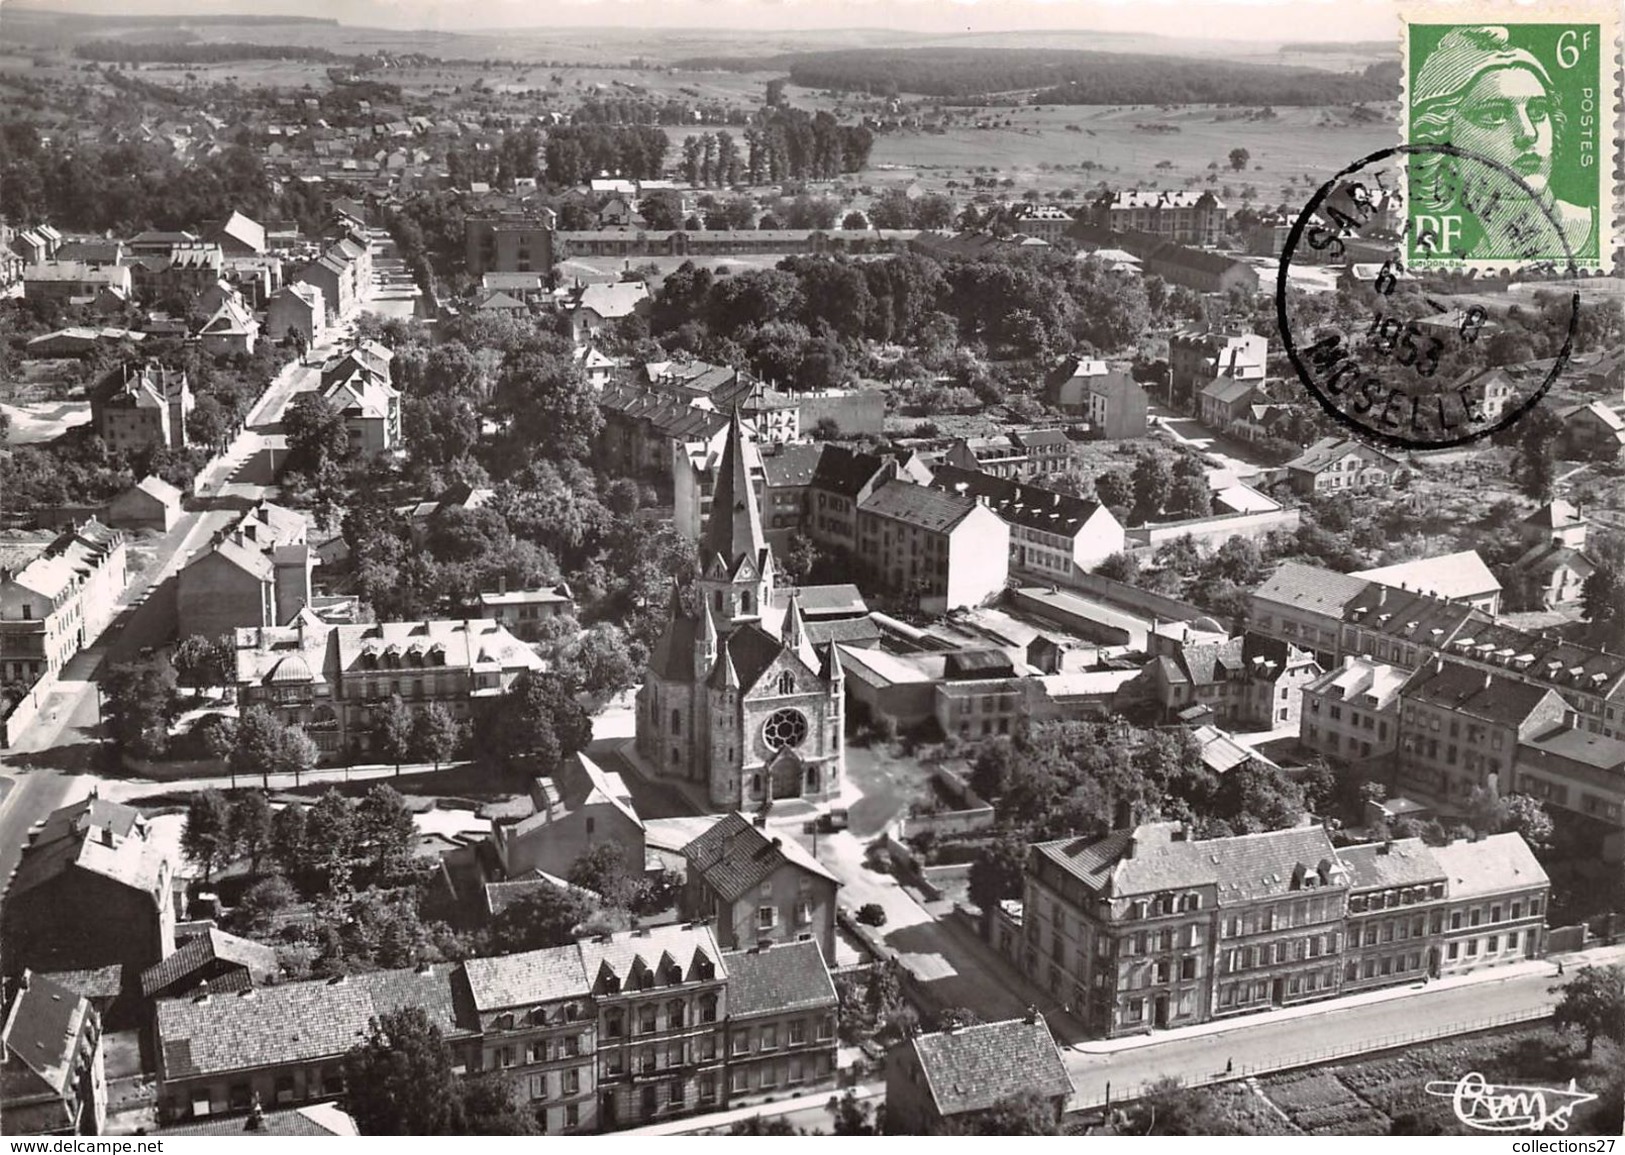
1478, 89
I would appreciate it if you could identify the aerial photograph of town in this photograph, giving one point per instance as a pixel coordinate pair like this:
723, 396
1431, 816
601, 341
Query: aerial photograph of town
726, 567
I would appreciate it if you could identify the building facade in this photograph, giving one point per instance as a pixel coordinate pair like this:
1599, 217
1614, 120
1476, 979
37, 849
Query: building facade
757, 888
144, 409
60, 602
54, 1078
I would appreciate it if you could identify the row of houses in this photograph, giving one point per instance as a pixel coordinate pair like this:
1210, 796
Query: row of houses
59, 600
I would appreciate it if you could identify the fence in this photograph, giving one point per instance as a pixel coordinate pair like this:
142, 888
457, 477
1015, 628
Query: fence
1331, 1053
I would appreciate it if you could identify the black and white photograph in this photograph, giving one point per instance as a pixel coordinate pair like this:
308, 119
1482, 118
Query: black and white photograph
785, 568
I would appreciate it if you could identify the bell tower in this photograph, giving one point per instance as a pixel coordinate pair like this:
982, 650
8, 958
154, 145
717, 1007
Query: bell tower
736, 565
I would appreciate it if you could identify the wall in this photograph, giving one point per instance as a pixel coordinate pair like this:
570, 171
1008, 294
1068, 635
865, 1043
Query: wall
28, 709
1116, 592
1215, 531
854, 411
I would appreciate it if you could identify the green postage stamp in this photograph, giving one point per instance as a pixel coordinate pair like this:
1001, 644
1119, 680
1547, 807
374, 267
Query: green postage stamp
1509, 122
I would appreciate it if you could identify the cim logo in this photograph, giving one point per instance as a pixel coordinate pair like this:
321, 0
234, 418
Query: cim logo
1484, 1106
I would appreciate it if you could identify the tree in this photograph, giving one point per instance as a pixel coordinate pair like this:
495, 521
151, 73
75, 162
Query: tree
392, 725
384, 822
217, 734
436, 734
316, 433
850, 1114
289, 839
251, 822
258, 745
998, 873
487, 1105
603, 870
854, 220
1536, 465
598, 663
1239, 158
1119, 567
1152, 482
1602, 597
206, 837
892, 210
662, 209
872, 914
761, 1125
1025, 1114
297, 753
1526, 815
139, 704
201, 661
1593, 1003
400, 1080
330, 837
536, 720
263, 901
1171, 1108
1114, 489
775, 91
545, 917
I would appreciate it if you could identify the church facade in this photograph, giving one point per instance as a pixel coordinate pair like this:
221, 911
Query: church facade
747, 708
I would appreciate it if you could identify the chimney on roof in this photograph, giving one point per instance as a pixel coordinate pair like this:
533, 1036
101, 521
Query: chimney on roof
763, 945
1031, 1017
502, 583
1489, 679
1438, 664
256, 1116
202, 992
1386, 847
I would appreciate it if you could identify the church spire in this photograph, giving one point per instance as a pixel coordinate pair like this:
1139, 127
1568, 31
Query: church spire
794, 635
734, 529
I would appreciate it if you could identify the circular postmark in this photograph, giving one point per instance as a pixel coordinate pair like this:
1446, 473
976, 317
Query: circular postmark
1403, 357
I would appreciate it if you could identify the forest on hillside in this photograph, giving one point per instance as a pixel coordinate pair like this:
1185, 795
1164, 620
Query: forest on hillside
1068, 77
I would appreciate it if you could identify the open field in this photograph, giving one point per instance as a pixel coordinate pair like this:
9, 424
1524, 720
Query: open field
1305, 145
35, 421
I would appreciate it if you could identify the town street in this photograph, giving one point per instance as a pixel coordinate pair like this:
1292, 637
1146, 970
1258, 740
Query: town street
55, 760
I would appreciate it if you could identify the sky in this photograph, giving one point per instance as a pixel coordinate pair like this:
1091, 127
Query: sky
1272, 20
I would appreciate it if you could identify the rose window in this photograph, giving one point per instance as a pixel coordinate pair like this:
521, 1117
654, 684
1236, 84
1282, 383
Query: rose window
785, 729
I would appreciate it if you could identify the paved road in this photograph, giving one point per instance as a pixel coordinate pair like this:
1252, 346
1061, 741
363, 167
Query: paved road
1232, 454
1268, 1043
56, 759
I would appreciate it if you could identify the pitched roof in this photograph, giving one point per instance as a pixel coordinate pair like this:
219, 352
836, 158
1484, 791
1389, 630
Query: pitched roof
735, 855
1451, 576
1491, 865
1323, 453
930, 509
313, 1119
41, 1032
972, 1068
1243, 868
103, 837
845, 471
536, 976
1555, 514
613, 300
1030, 506
777, 980
1311, 588
294, 1023
245, 231
1476, 693
174, 974
618, 953
1401, 862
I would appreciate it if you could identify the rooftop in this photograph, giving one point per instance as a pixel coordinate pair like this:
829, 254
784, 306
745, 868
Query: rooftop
735, 856
972, 1068
1451, 576
930, 509
778, 979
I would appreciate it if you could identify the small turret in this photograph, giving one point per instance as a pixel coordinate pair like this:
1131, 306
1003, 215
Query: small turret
794, 634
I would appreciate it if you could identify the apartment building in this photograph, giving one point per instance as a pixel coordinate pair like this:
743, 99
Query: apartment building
939, 550
537, 1025
662, 1005
1572, 769
1150, 928
358, 385
1196, 358
141, 409
60, 601
1342, 465
781, 1021
755, 887
1183, 215
1051, 534
509, 243
285, 1045
1451, 577
1406, 629
1351, 712
522, 612
949, 1077
330, 678
255, 573
1460, 729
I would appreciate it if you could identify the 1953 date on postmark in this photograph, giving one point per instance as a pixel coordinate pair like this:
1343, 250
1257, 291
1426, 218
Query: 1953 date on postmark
1506, 169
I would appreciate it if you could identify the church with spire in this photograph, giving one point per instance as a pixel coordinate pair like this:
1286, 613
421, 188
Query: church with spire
737, 698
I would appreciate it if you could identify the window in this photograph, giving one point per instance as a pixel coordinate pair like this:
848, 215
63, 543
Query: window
1453, 951
571, 1045
766, 918
674, 1095
646, 1021
739, 1080
826, 1028
769, 1038
614, 1024
741, 1042
675, 1015
708, 1008
538, 1087
1187, 968
572, 1114
571, 1082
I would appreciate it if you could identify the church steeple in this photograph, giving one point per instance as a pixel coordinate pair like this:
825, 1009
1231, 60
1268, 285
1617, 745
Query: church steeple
734, 529
736, 565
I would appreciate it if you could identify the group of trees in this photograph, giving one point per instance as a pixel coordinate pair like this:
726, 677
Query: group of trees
575, 153
806, 322
1079, 779
1155, 491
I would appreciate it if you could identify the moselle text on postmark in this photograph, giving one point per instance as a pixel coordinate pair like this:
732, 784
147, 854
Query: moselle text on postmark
1402, 357
1533, 92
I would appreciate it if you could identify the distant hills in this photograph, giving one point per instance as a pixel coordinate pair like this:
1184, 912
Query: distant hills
1056, 76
